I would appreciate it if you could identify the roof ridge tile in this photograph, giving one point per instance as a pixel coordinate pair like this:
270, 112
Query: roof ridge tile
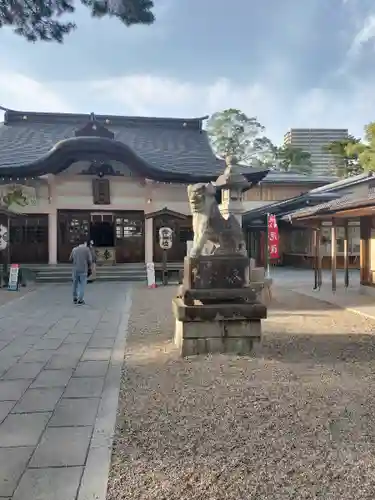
13, 116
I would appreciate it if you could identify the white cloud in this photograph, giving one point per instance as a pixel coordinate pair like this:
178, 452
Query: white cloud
364, 35
161, 96
21, 92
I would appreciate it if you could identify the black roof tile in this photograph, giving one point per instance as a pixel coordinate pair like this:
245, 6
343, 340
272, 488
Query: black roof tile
172, 149
172, 146
166, 143
346, 202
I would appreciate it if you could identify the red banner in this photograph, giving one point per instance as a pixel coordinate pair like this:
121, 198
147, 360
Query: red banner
273, 238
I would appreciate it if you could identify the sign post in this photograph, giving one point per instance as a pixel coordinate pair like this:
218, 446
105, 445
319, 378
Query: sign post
150, 269
165, 242
272, 240
14, 274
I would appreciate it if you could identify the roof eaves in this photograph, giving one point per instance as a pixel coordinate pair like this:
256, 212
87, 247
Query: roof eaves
297, 179
348, 182
279, 208
332, 206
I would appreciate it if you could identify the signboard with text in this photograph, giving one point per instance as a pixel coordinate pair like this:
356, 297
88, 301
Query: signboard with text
14, 273
273, 237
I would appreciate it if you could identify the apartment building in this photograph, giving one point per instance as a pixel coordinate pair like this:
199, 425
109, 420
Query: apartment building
313, 140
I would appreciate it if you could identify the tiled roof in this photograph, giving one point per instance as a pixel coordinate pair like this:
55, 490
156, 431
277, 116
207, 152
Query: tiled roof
293, 176
169, 145
345, 183
331, 207
296, 178
283, 207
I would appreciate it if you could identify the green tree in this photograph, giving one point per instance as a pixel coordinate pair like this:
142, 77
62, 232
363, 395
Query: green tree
289, 157
365, 151
40, 19
235, 135
345, 156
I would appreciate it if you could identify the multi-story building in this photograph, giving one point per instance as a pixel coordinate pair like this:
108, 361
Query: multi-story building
313, 141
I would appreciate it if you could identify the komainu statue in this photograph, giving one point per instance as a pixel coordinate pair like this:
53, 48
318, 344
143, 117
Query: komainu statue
210, 226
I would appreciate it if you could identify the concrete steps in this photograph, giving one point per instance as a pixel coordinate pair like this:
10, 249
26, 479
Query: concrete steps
62, 273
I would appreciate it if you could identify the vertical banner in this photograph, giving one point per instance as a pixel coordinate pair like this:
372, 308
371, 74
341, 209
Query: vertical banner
273, 237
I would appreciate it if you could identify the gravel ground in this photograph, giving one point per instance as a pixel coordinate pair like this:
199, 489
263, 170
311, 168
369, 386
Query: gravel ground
294, 421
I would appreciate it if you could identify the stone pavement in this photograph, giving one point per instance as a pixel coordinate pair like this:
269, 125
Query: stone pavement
60, 371
349, 299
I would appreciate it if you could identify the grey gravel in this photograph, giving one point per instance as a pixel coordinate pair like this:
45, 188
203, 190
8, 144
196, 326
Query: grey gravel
294, 421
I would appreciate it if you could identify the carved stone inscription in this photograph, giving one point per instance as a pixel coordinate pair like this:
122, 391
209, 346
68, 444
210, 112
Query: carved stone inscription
216, 271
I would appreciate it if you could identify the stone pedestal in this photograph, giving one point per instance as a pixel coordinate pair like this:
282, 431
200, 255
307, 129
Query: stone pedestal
217, 309
212, 272
217, 328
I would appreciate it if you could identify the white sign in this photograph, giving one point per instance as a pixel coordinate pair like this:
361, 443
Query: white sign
3, 237
165, 238
13, 277
150, 268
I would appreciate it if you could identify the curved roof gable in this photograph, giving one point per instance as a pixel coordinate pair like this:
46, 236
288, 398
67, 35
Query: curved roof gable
166, 149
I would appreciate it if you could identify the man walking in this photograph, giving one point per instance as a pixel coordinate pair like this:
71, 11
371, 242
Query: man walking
82, 260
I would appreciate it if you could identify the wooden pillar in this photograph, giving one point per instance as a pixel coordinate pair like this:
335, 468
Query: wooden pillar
334, 256
319, 257
346, 254
316, 256
365, 232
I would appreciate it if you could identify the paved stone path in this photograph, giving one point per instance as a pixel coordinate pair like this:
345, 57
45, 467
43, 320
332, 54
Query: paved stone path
60, 370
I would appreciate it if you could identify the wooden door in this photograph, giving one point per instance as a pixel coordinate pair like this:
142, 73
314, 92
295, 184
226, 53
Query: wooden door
182, 232
73, 229
130, 237
29, 239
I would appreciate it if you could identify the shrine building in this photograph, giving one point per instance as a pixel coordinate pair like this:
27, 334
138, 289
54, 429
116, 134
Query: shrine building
113, 179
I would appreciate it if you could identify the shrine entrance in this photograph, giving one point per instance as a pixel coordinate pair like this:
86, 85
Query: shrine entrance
118, 236
102, 233
102, 230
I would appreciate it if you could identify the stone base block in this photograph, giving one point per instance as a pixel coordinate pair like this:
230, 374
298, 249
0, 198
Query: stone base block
211, 313
235, 336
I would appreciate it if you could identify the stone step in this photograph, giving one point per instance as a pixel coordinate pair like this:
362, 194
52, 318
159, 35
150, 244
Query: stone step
62, 273
110, 278
120, 272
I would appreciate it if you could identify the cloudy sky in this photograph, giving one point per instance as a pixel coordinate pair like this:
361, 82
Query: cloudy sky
291, 63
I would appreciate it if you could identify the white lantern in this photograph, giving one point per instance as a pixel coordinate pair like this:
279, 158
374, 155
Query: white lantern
3, 237
165, 238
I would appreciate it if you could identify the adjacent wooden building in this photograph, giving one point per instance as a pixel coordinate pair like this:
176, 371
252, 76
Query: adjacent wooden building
338, 215
297, 241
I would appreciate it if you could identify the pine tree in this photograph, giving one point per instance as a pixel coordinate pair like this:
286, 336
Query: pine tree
41, 19
291, 158
345, 157
235, 135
